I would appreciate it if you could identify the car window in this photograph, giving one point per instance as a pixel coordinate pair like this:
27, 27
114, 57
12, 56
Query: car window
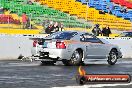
62, 35
83, 37
89, 38
94, 40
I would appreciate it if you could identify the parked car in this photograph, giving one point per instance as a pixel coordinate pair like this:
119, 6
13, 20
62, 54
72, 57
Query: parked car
73, 48
125, 34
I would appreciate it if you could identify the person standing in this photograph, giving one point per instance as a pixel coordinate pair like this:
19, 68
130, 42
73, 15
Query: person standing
24, 20
96, 30
106, 31
55, 27
123, 10
29, 2
1, 10
61, 27
50, 28
110, 7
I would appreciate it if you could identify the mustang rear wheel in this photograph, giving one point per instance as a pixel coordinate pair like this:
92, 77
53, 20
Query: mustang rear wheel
76, 59
112, 59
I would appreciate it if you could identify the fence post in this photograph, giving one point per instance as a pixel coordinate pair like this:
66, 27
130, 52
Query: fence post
30, 20
8, 22
86, 15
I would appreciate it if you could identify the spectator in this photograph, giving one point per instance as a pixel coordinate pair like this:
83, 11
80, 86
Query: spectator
30, 2
6, 11
55, 27
106, 31
123, 10
1, 10
101, 12
45, 23
28, 24
50, 28
61, 27
96, 30
24, 20
110, 7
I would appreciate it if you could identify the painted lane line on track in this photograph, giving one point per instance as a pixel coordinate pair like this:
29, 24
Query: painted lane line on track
19, 64
104, 62
97, 85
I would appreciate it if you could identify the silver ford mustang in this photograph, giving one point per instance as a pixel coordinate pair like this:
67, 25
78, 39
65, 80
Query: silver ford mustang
73, 48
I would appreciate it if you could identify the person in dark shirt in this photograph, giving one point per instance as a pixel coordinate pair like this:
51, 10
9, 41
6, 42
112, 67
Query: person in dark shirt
123, 10
30, 2
96, 30
106, 31
52, 28
49, 29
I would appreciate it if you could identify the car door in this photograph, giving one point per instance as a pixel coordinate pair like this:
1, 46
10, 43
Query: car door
88, 45
100, 50
95, 48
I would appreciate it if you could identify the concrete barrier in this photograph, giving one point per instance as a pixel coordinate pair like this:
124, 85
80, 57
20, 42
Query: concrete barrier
11, 46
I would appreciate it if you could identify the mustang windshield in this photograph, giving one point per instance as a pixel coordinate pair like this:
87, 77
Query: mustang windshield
62, 35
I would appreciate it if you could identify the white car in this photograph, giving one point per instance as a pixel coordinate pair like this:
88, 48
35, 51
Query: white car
73, 48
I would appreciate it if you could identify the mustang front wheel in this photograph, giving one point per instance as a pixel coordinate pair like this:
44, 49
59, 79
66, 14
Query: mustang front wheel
112, 59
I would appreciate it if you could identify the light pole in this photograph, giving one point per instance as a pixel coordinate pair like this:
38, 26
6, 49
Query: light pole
131, 21
69, 18
87, 1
